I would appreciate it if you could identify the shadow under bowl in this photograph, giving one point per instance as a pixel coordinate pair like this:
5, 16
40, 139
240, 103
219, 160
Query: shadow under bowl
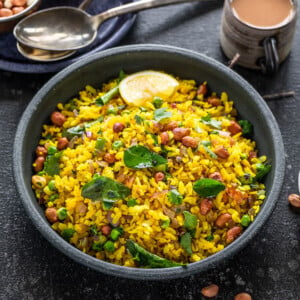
99, 68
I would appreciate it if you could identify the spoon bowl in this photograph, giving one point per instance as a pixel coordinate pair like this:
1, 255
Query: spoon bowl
67, 28
43, 55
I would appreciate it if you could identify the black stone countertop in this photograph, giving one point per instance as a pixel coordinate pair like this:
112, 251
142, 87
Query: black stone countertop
268, 268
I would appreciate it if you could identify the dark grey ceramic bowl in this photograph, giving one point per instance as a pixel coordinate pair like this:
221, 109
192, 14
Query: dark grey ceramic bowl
103, 66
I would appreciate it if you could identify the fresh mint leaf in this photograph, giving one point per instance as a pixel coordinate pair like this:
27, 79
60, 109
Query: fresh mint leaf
208, 187
140, 157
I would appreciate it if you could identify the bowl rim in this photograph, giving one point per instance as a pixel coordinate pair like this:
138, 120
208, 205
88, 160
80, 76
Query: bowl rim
20, 14
139, 273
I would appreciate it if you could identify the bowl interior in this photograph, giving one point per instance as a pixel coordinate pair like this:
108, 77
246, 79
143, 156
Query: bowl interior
106, 65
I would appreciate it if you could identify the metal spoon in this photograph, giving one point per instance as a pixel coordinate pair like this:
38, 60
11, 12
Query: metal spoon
43, 55
68, 28
48, 55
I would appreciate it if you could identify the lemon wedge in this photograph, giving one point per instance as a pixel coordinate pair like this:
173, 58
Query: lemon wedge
138, 88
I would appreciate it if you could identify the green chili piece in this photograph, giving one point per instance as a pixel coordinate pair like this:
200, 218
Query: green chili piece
117, 145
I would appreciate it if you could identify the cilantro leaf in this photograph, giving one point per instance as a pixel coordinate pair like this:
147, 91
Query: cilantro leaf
161, 113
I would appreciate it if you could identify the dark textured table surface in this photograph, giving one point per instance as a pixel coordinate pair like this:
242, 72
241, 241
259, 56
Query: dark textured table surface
268, 268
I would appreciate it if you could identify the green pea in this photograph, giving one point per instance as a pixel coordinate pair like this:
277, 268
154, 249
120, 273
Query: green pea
53, 197
67, 233
109, 246
52, 150
245, 221
97, 246
62, 213
131, 202
157, 102
117, 145
165, 223
115, 233
51, 185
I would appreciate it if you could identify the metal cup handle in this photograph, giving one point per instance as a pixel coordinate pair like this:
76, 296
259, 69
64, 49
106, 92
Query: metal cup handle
270, 62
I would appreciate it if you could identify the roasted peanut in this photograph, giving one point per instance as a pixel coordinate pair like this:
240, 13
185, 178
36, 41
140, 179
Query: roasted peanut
180, 133
17, 9
62, 143
294, 200
18, 2
242, 296
223, 219
170, 126
205, 206
234, 127
118, 127
39, 163
216, 176
5, 12
233, 233
164, 136
189, 141
221, 151
213, 101
110, 158
58, 118
41, 151
202, 90
159, 176
38, 181
106, 229
51, 214
210, 291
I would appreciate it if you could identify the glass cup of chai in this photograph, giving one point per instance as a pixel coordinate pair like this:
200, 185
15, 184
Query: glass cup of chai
259, 32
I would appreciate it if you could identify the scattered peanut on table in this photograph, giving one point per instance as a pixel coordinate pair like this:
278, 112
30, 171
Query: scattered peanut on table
294, 200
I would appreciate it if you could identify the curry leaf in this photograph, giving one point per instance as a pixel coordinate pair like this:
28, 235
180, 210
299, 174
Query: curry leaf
186, 243
104, 189
161, 113
208, 187
146, 259
139, 157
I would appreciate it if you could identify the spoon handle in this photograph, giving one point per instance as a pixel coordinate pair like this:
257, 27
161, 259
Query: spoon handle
134, 7
84, 5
